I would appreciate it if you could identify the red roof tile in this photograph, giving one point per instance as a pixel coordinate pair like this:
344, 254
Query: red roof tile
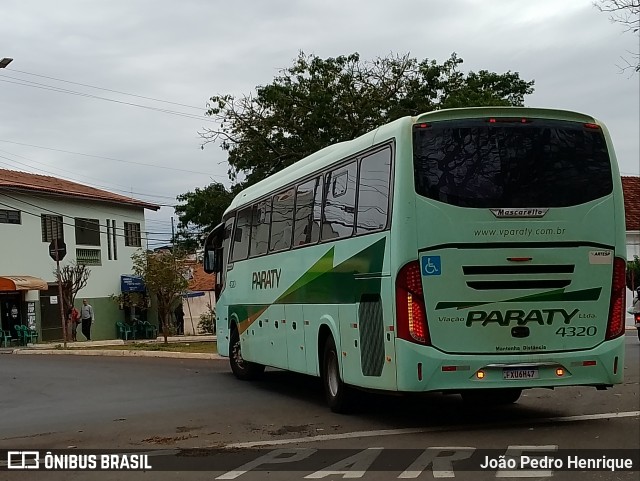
201, 281
26, 182
631, 189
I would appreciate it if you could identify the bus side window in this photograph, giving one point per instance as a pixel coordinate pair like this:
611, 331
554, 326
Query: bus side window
308, 212
241, 236
260, 228
282, 220
373, 191
340, 203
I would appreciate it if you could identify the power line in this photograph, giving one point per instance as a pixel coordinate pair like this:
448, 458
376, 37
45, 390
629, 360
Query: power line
70, 216
69, 224
62, 170
29, 83
112, 158
106, 89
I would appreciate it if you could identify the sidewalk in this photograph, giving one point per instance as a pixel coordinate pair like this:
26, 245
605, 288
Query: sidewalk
57, 348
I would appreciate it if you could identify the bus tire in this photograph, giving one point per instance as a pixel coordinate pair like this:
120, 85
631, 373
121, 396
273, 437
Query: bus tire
488, 397
338, 395
243, 370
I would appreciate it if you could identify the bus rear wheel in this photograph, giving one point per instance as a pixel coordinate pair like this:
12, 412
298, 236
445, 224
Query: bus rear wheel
339, 395
244, 370
488, 397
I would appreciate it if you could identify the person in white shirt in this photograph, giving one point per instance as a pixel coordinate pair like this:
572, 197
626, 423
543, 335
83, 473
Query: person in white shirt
86, 314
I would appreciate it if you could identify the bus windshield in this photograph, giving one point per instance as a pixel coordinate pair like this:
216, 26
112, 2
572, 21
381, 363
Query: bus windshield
506, 163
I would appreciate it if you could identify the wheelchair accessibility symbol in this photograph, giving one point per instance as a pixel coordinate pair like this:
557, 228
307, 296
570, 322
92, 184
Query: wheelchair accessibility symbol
431, 266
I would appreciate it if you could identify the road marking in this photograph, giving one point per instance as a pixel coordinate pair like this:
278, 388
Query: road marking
401, 431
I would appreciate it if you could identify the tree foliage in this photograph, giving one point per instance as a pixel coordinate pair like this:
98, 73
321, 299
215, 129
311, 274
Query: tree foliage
317, 102
164, 277
200, 211
626, 13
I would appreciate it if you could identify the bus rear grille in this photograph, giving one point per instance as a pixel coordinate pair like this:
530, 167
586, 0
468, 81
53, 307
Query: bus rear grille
528, 284
520, 269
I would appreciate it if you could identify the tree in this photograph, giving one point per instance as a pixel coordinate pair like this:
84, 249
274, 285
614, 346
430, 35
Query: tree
626, 13
164, 277
201, 211
73, 278
317, 102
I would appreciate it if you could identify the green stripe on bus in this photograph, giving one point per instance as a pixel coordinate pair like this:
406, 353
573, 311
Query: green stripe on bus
558, 295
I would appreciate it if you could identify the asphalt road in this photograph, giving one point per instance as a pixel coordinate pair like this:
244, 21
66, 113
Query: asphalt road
165, 405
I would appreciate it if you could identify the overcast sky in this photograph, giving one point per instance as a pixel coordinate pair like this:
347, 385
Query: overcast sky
187, 51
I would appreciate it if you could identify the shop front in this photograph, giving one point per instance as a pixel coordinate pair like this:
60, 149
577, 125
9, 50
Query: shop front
18, 298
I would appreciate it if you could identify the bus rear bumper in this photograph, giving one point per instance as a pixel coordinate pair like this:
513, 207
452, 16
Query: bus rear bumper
427, 369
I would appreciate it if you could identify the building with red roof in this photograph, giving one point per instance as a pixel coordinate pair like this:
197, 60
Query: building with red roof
98, 228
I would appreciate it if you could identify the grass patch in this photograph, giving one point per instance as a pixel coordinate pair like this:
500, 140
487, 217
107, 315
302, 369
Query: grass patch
202, 347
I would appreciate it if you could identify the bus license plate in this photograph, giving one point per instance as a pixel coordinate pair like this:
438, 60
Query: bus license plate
519, 373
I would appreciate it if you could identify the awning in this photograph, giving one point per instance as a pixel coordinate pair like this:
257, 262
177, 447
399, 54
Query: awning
22, 283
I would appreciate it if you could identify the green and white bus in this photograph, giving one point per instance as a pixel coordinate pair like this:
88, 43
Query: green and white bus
477, 251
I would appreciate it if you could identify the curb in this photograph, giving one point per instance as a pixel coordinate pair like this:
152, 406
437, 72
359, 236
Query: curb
120, 353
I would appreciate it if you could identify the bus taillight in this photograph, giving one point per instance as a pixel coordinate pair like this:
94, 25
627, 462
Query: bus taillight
615, 326
411, 313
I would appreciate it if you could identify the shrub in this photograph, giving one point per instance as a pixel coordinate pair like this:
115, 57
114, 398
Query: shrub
207, 323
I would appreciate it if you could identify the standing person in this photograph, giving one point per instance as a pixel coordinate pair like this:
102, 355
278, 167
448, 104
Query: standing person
73, 317
179, 313
635, 310
86, 312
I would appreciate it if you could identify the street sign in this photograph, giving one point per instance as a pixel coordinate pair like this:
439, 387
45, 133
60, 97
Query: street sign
59, 253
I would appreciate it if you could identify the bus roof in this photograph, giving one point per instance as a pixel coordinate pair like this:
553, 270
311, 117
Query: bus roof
336, 152
480, 112
315, 162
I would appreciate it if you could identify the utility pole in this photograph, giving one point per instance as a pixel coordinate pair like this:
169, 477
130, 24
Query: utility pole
173, 234
60, 298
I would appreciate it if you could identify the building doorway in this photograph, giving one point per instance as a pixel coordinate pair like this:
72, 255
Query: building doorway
10, 312
51, 323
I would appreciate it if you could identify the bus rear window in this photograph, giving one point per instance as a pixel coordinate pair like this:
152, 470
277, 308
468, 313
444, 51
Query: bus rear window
540, 163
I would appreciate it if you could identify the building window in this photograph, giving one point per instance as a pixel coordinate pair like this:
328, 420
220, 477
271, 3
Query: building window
109, 239
10, 216
114, 239
132, 234
87, 232
51, 227
89, 257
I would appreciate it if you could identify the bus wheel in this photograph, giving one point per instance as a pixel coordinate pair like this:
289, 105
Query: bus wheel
242, 369
487, 397
338, 394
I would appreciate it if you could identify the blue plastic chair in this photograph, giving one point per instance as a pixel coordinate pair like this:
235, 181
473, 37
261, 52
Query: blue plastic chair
21, 339
29, 336
150, 331
124, 331
5, 337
